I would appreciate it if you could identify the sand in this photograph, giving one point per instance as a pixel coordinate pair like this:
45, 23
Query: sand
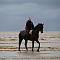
49, 47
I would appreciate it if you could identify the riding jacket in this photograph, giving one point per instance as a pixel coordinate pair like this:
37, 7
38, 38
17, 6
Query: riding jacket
29, 26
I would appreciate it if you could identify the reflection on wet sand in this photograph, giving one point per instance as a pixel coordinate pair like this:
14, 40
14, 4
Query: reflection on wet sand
49, 47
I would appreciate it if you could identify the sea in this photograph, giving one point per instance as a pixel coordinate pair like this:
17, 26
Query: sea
49, 47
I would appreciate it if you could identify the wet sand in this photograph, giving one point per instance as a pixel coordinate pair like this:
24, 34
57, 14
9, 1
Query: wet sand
49, 47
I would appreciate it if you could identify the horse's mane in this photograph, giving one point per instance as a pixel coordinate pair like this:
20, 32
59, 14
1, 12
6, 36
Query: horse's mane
37, 25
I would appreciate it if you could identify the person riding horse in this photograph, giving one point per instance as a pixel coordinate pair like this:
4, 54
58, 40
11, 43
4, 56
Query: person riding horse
33, 37
29, 27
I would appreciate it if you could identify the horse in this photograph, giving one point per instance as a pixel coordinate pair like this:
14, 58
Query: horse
33, 37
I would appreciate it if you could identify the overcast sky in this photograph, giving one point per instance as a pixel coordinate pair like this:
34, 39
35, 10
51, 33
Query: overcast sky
15, 13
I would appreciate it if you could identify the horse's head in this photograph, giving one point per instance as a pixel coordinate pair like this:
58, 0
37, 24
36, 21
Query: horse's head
40, 27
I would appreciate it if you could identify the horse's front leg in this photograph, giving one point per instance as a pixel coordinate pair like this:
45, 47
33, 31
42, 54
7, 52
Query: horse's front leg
26, 45
39, 45
32, 45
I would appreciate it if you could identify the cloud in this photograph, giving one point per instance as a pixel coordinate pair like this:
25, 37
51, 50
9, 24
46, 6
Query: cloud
42, 2
14, 13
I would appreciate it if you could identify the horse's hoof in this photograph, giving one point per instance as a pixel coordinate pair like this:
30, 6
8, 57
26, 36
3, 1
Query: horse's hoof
27, 49
38, 50
32, 50
19, 50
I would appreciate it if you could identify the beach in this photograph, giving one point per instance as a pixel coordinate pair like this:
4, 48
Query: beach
49, 47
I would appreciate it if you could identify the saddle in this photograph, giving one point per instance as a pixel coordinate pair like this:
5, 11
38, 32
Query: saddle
28, 34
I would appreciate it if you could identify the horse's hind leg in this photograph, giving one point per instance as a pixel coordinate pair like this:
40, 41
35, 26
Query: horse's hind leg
32, 45
26, 45
39, 45
20, 40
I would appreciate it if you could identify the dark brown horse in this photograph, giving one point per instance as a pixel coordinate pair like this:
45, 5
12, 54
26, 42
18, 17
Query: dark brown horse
33, 37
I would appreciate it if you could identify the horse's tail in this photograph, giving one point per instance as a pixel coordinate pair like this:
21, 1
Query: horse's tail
19, 36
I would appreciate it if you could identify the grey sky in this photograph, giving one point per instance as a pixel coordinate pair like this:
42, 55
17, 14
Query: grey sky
14, 14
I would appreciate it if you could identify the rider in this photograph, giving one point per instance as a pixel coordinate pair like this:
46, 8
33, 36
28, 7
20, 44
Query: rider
29, 25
